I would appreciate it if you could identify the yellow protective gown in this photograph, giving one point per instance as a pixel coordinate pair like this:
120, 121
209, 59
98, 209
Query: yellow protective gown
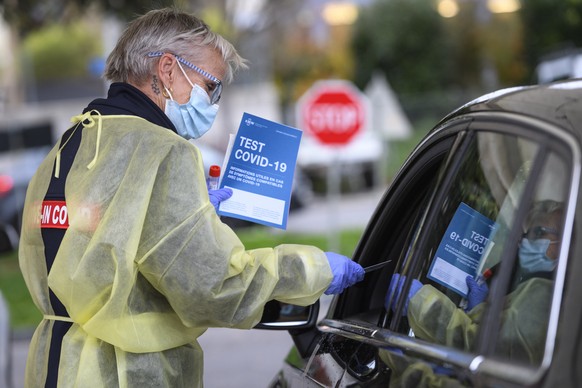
407, 372
146, 265
435, 318
524, 321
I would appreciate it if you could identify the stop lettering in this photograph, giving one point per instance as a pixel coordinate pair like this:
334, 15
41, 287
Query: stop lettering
333, 112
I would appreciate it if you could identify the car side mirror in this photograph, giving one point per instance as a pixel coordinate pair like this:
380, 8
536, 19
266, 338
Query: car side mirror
283, 316
300, 321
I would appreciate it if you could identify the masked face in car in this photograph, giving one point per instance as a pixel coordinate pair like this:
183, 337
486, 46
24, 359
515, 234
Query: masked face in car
539, 247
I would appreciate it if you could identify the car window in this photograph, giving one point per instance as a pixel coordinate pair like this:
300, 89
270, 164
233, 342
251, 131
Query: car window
499, 220
468, 232
523, 324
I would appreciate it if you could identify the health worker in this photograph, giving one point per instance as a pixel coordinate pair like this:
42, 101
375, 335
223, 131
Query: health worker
140, 265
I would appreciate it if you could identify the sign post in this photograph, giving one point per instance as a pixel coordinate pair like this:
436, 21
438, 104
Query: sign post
333, 112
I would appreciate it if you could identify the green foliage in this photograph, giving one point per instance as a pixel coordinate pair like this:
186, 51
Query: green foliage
399, 150
407, 41
258, 237
31, 15
61, 51
23, 313
550, 25
214, 17
472, 185
420, 51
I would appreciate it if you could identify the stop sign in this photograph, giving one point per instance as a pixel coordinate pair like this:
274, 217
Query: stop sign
332, 111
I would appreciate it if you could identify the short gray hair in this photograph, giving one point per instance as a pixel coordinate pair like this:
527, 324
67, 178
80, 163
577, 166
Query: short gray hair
166, 30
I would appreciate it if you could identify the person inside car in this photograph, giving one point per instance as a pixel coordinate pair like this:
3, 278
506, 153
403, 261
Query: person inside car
435, 318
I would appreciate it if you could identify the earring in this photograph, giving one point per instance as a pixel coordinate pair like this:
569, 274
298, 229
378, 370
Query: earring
166, 93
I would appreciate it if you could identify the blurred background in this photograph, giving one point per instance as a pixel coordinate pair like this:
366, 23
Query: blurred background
415, 60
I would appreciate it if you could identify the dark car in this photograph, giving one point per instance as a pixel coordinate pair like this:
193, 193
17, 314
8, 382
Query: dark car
469, 201
23, 146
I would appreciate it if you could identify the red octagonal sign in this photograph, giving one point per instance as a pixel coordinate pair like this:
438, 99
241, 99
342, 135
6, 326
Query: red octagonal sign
332, 111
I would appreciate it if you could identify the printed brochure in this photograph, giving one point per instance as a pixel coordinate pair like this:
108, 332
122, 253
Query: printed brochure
259, 169
463, 249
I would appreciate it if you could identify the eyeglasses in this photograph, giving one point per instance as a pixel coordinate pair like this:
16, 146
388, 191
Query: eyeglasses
538, 232
214, 93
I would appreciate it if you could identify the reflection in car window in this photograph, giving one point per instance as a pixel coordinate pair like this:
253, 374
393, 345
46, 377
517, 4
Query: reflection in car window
527, 307
468, 237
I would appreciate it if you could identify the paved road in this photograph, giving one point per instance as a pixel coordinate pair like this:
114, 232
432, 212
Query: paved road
233, 358
251, 358
348, 211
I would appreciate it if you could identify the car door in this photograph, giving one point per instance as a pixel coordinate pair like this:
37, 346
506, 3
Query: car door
384, 240
463, 204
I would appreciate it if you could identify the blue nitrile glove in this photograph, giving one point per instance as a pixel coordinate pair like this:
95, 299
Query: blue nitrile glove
395, 289
345, 273
477, 293
217, 196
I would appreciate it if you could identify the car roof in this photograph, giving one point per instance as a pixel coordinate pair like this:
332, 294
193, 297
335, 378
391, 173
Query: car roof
559, 103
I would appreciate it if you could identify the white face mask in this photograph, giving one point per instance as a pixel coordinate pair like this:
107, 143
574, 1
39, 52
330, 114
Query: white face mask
194, 118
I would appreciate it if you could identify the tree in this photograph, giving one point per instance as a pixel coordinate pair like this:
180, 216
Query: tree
29, 15
406, 40
550, 26
51, 59
38, 30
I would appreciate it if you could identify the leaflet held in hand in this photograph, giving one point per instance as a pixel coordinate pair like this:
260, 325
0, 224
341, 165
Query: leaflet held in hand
463, 249
259, 169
